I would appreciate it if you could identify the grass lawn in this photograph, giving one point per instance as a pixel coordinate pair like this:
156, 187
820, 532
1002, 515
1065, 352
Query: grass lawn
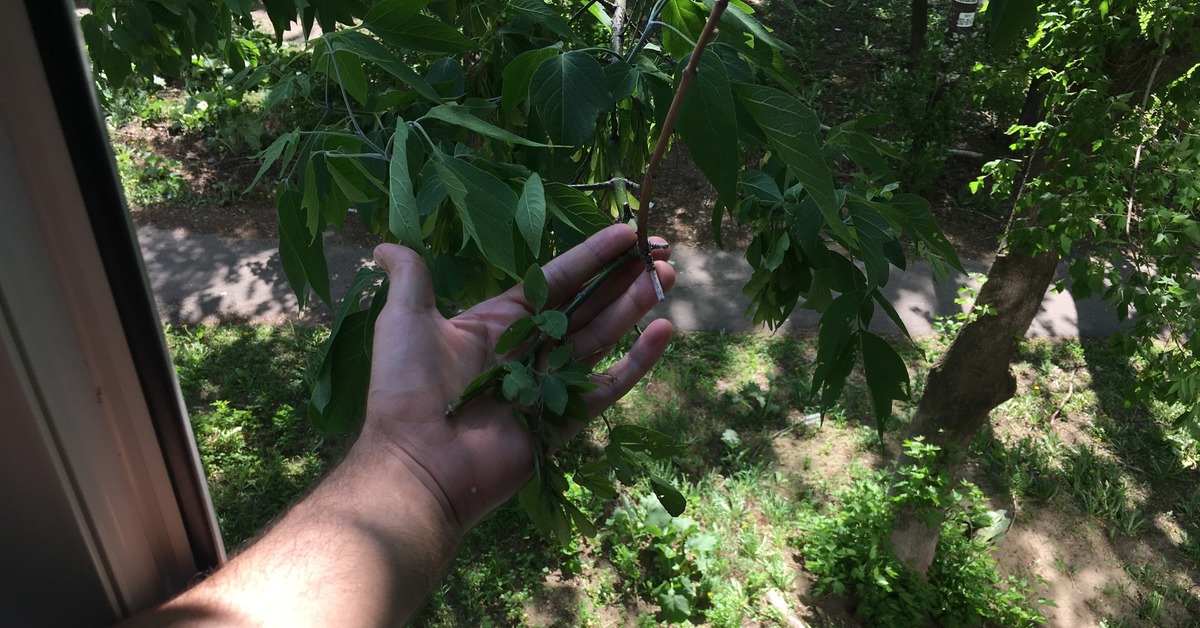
780, 506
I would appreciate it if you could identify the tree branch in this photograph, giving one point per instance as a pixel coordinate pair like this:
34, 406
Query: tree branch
664, 136
1137, 156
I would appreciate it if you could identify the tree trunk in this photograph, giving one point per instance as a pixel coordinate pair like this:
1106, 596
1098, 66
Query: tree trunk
918, 27
973, 377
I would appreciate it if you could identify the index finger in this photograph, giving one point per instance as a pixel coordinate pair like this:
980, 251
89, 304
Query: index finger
567, 272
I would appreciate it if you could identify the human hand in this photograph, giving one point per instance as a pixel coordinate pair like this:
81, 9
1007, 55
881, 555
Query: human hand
475, 460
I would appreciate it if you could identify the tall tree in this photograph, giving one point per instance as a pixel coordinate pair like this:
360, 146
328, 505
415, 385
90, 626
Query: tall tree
1082, 179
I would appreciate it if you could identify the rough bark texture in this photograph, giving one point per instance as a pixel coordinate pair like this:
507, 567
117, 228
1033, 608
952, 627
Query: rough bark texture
919, 25
973, 377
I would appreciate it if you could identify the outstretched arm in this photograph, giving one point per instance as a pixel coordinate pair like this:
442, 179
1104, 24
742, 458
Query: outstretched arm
374, 538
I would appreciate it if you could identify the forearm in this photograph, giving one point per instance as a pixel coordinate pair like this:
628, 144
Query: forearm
364, 549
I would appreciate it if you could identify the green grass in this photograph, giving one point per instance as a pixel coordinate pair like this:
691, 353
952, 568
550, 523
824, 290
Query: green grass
245, 388
765, 493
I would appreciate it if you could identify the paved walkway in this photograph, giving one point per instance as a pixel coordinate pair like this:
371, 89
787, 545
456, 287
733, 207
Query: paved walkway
206, 278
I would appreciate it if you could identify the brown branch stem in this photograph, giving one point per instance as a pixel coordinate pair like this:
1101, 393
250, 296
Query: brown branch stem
664, 136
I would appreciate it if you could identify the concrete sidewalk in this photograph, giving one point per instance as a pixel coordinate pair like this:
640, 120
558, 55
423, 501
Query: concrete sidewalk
206, 278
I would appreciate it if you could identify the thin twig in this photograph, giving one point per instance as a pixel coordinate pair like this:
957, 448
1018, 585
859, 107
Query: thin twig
346, 99
1137, 156
604, 185
580, 12
664, 137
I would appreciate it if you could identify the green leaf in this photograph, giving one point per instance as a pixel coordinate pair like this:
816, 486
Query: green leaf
514, 335
708, 124
886, 375
542, 506
347, 69
577, 212
286, 142
559, 357
418, 33
568, 92
518, 386
668, 495
676, 608
872, 235
373, 51
535, 287
544, 14
552, 322
531, 213
1009, 19
736, 19
793, 132
459, 115
339, 396
774, 256
485, 379
834, 335
653, 443
518, 73
913, 215
554, 393
302, 255
761, 186
486, 206
394, 11
685, 16
404, 218
622, 80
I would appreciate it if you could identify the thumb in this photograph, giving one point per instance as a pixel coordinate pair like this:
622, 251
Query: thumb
411, 286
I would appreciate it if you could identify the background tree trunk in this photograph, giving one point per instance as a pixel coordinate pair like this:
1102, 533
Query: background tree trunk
973, 377
918, 27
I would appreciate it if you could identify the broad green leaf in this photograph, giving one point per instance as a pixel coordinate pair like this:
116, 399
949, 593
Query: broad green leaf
514, 335
554, 393
535, 288
518, 73
459, 115
531, 213
653, 443
687, 17
872, 235
373, 51
834, 335
544, 14
486, 206
912, 214
737, 19
419, 33
404, 217
676, 608
774, 256
286, 142
622, 80
519, 386
793, 131
302, 255
553, 322
394, 11
890, 311
339, 396
568, 92
575, 210
559, 357
760, 185
483, 380
886, 375
540, 503
1009, 19
347, 69
668, 495
708, 125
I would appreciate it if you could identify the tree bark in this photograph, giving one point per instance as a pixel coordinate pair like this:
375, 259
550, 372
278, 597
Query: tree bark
973, 377
918, 27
